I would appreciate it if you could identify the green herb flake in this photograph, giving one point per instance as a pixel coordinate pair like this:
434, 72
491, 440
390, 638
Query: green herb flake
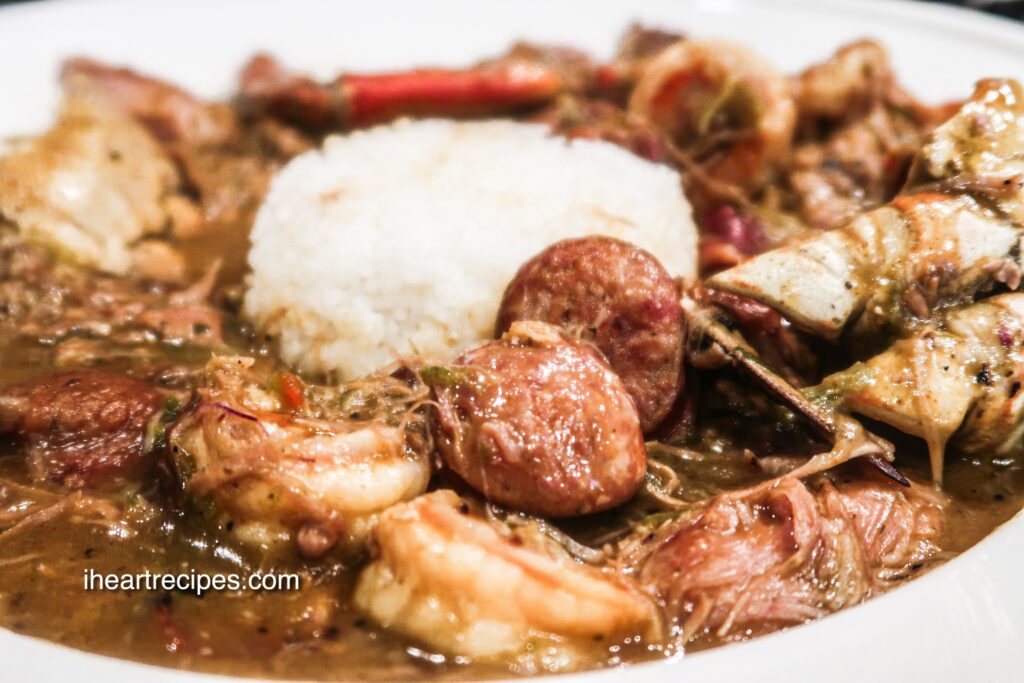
441, 376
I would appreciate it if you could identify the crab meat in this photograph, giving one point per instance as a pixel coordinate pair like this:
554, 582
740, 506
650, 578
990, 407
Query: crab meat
91, 188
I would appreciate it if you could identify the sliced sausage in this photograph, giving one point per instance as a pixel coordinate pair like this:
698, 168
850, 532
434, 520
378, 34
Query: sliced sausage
539, 423
81, 427
617, 296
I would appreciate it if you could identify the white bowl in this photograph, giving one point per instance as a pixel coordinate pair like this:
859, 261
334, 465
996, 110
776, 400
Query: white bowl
964, 621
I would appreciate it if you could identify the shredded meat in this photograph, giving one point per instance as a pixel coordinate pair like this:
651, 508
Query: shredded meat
858, 130
786, 552
226, 159
576, 116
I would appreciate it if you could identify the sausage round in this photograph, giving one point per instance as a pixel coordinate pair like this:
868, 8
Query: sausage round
616, 296
539, 423
83, 427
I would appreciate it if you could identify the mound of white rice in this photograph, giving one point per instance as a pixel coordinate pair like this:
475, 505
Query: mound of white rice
402, 238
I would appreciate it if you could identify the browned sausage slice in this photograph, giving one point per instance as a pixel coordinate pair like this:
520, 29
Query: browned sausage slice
617, 296
539, 423
81, 427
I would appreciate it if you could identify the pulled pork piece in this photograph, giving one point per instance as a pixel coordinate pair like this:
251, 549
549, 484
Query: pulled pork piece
858, 167
90, 188
786, 552
83, 428
576, 116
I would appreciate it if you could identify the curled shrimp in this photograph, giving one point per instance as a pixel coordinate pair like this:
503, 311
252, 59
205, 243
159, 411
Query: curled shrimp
270, 475
483, 591
724, 108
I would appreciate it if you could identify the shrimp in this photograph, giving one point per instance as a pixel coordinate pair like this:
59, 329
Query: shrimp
275, 476
477, 590
726, 109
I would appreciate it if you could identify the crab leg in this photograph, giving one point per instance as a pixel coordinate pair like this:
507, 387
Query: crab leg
848, 438
524, 78
955, 231
955, 381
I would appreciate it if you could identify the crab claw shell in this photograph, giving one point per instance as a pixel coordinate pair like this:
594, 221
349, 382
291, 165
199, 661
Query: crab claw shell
961, 382
809, 283
922, 237
825, 282
983, 142
996, 420
918, 386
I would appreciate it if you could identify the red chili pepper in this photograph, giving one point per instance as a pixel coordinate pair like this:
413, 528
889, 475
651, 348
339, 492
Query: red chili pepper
291, 390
